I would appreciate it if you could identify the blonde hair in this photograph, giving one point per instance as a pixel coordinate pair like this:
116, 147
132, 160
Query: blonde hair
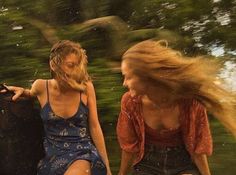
77, 80
184, 77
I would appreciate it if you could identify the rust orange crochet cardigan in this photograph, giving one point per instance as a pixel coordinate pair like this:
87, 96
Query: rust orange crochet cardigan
194, 127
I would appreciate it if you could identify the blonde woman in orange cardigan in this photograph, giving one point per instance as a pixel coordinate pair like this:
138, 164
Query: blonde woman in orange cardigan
163, 127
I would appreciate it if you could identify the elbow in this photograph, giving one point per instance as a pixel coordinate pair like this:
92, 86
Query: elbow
198, 157
94, 129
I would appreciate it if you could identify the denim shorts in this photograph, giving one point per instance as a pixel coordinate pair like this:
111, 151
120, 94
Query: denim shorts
165, 161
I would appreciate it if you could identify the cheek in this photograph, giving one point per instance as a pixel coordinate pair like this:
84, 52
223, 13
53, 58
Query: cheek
132, 83
140, 87
67, 70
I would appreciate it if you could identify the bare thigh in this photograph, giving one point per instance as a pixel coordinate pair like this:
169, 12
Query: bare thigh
79, 167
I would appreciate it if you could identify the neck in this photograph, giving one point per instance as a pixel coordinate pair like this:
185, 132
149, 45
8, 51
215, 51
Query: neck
160, 101
160, 97
61, 86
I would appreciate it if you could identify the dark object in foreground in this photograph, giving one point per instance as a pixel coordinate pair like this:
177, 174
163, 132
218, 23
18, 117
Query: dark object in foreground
21, 134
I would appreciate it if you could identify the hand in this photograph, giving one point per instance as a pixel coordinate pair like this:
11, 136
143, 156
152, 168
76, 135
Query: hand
109, 172
121, 173
18, 91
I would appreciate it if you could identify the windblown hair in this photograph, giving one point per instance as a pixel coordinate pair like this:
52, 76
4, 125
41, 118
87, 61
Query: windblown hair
184, 77
77, 80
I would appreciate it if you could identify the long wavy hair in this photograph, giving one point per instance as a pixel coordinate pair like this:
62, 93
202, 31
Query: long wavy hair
184, 77
78, 78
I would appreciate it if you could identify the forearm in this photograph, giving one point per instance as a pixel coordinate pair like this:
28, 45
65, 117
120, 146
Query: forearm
126, 162
26, 93
202, 163
19, 92
98, 139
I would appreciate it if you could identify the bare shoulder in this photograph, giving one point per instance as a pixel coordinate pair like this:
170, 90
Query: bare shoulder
38, 87
90, 87
90, 92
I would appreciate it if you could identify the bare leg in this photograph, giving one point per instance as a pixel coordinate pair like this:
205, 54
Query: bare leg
79, 167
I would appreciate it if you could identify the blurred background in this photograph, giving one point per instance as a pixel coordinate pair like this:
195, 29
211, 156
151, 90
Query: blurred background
106, 28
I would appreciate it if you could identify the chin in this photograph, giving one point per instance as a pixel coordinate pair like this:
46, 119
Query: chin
132, 93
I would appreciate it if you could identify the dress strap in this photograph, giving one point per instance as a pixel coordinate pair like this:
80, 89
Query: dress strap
81, 101
80, 98
47, 91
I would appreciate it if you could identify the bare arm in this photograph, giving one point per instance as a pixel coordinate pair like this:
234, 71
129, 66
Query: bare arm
202, 163
126, 162
20, 91
94, 126
127, 135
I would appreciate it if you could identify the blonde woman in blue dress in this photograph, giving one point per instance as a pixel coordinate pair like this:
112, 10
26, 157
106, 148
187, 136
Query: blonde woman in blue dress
74, 142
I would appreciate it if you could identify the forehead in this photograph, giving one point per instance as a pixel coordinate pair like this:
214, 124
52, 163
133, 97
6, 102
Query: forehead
124, 67
71, 58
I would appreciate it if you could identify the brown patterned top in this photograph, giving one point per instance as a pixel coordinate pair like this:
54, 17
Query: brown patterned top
163, 137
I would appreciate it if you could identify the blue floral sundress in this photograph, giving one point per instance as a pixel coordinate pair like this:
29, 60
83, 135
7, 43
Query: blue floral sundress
67, 140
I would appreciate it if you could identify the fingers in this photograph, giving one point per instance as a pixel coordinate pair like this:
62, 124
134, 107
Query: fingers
16, 90
17, 95
3, 91
4, 88
10, 88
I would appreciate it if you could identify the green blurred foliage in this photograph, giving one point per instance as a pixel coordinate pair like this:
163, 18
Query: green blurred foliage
22, 50
189, 25
200, 20
108, 89
26, 26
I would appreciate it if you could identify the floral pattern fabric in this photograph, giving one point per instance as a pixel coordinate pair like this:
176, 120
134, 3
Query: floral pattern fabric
68, 140
194, 126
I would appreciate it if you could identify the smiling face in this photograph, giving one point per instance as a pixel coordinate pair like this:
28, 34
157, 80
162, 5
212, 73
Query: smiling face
132, 81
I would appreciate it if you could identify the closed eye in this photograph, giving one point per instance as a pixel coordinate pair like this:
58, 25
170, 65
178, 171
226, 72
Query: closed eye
70, 64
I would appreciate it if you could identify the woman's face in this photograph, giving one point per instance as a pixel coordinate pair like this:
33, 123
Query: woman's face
132, 81
70, 63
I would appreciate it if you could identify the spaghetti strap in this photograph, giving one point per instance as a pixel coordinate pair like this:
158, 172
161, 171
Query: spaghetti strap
81, 102
80, 98
47, 91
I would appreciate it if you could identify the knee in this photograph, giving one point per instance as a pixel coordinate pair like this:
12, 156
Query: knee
79, 167
78, 172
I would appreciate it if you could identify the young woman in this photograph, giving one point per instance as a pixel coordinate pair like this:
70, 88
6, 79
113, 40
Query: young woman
163, 127
74, 142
